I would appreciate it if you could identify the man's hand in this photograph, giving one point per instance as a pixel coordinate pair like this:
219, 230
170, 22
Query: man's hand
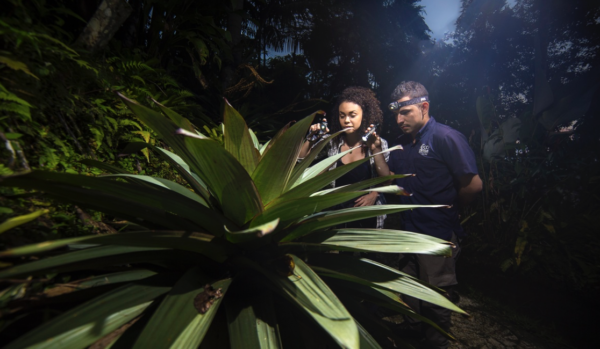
366, 200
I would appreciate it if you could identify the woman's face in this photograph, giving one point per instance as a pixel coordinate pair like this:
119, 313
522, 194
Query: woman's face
350, 116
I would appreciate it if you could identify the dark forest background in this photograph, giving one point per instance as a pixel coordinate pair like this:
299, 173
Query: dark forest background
520, 82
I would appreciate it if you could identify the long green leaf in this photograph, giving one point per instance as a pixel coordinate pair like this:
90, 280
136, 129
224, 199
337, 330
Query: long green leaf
379, 297
368, 183
374, 240
292, 210
164, 183
253, 232
376, 327
165, 128
227, 179
252, 321
103, 166
213, 164
325, 164
176, 323
322, 166
199, 326
179, 120
99, 256
318, 181
275, 167
367, 272
177, 162
113, 278
139, 204
366, 340
112, 169
307, 291
301, 167
332, 218
91, 321
238, 140
193, 242
255, 141
16, 221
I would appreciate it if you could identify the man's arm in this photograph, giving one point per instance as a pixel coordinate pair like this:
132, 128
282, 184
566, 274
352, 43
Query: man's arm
469, 186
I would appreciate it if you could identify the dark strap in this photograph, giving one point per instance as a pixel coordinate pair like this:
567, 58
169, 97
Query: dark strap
398, 105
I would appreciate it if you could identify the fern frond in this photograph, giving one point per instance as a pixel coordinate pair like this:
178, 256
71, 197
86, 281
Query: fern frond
22, 110
7, 96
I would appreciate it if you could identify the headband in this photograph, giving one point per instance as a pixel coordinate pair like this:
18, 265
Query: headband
398, 105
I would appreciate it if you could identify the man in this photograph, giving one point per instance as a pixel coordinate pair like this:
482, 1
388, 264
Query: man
446, 173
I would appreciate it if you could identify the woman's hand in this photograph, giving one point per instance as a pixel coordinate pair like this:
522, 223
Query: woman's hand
366, 200
374, 142
314, 129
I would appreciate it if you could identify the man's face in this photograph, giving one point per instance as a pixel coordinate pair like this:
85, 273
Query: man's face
412, 118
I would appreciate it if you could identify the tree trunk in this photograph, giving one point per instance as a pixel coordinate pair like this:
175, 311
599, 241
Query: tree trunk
234, 27
130, 27
104, 24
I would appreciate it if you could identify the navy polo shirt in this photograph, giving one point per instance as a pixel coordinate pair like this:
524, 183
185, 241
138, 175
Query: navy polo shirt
438, 158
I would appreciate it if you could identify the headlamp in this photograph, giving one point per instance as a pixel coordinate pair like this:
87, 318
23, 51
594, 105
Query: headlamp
397, 105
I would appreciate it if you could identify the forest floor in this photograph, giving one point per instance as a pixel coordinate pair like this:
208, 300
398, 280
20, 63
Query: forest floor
492, 325
511, 311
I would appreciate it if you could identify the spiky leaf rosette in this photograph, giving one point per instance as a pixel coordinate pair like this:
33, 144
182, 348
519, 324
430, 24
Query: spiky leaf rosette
236, 252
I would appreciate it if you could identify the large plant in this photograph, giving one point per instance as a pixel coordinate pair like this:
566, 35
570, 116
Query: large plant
243, 253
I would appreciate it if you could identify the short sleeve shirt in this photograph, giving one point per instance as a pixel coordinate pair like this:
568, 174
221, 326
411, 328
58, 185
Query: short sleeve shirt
438, 158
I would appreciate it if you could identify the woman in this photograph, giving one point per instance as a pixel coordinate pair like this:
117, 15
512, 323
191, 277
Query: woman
355, 109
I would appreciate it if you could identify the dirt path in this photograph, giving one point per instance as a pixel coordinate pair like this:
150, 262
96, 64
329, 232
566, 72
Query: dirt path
484, 330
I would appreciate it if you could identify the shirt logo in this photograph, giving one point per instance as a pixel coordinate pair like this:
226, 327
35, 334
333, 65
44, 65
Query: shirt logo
424, 150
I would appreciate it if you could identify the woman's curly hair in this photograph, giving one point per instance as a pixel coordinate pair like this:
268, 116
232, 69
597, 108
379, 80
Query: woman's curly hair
363, 97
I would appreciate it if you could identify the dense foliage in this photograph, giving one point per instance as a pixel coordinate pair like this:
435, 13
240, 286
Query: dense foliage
250, 235
520, 82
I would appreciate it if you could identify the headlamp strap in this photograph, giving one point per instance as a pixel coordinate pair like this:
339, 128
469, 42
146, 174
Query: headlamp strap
398, 105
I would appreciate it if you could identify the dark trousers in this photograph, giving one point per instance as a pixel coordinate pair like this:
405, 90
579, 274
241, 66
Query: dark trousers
438, 271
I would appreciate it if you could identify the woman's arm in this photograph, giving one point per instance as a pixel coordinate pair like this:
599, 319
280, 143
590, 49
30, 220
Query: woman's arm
377, 146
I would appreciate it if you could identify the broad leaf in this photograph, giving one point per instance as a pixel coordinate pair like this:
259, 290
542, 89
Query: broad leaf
139, 204
227, 179
95, 257
177, 162
275, 168
104, 166
313, 296
328, 219
238, 140
301, 167
255, 141
368, 183
176, 323
292, 210
325, 164
370, 273
164, 183
252, 321
375, 240
314, 182
366, 340
193, 242
253, 232
82, 326
179, 120
379, 297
